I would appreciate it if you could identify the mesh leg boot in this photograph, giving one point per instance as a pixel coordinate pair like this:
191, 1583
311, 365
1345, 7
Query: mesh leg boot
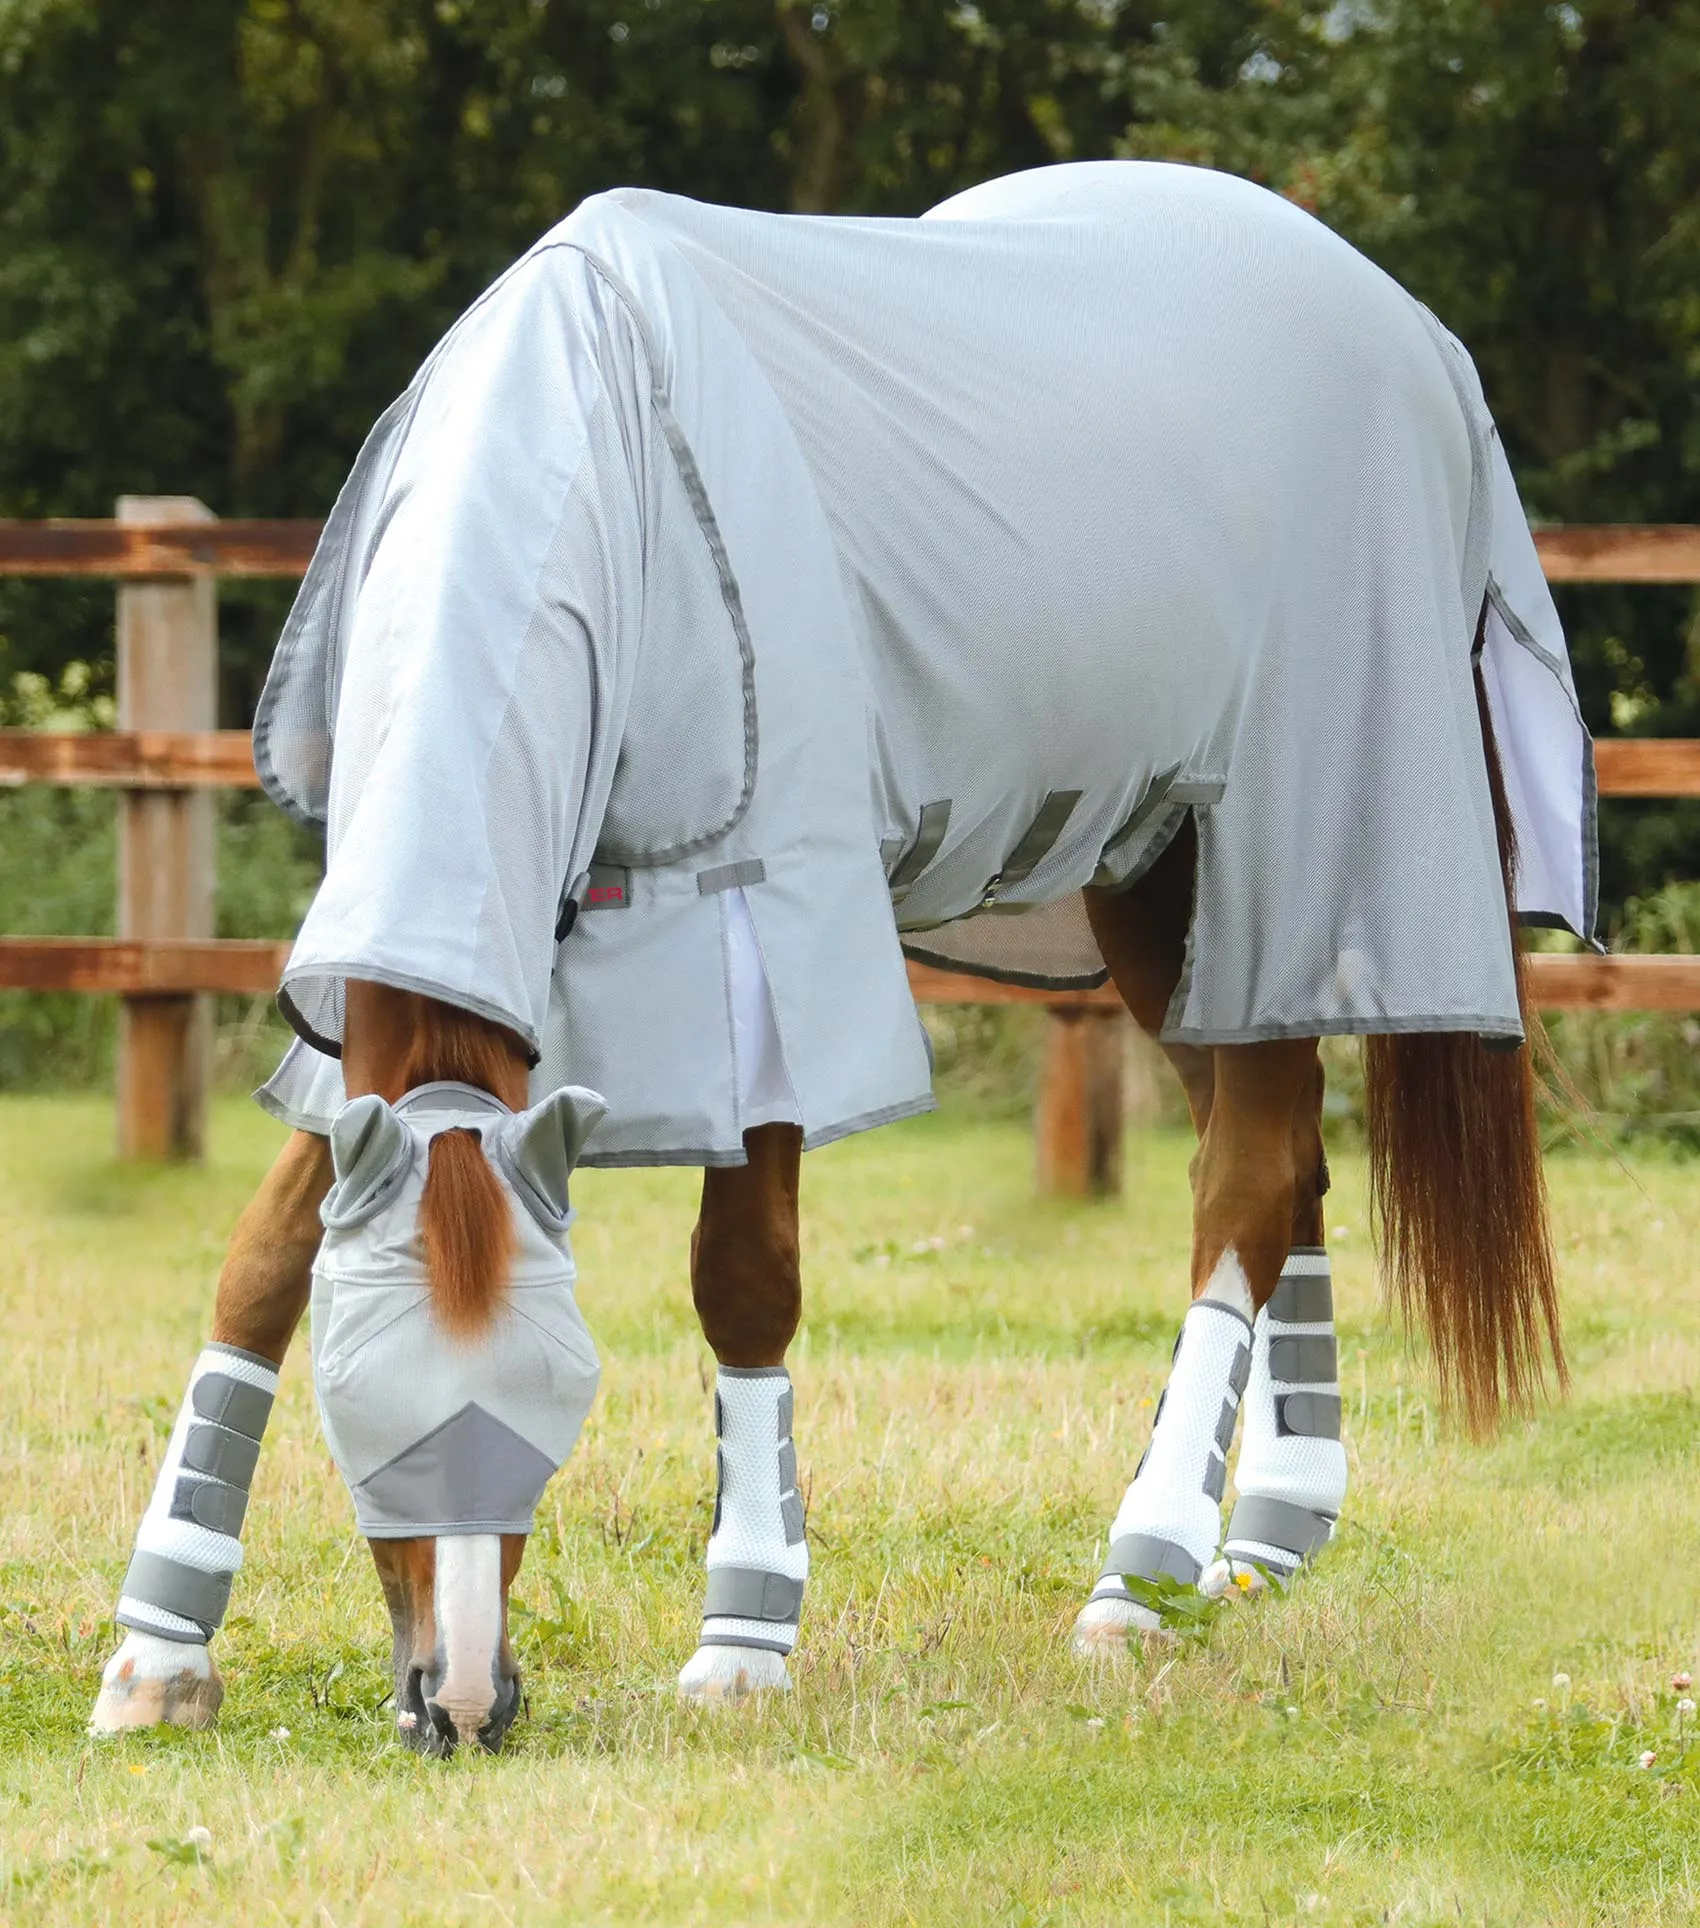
1291, 1479
758, 1557
188, 1549
1170, 1520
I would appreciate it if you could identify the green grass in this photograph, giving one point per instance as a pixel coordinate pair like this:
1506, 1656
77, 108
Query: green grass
974, 1385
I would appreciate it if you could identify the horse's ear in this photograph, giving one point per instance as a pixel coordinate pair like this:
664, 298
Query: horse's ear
371, 1150
542, 1146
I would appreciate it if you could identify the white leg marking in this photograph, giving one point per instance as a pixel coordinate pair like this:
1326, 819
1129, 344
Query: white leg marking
1229, 1286
469, 1627
150, 1682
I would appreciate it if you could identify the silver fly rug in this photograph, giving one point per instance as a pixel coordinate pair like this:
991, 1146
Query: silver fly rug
739, 594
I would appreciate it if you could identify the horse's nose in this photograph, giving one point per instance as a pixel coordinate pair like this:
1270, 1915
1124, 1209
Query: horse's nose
430, 1728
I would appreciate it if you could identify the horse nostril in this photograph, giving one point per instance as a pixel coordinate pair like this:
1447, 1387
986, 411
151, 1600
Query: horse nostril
424, 1724
495, 1729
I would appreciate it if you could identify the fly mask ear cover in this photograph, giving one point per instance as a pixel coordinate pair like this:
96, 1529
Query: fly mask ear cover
437, 1434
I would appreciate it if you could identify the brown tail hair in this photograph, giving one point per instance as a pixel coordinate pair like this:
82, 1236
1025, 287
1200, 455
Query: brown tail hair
465, 1219
1457, 1193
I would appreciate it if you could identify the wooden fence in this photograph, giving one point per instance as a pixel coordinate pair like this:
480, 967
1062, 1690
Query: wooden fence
166, 758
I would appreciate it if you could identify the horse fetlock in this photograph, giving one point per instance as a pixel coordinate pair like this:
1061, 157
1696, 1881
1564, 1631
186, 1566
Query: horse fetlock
1169, 1524
152, 1682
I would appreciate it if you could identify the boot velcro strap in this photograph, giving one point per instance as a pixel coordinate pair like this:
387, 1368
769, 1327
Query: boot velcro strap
1303, 1298
220, 1453
1303, 1359
747, 1593
210, 1503
175, 1588
1307, 1415
231, 1403
1269, 1522
1142, 1556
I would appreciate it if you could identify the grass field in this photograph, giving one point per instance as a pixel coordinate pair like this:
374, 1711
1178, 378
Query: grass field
975, 1378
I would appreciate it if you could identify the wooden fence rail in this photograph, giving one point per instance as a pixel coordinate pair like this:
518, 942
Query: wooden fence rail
166, 553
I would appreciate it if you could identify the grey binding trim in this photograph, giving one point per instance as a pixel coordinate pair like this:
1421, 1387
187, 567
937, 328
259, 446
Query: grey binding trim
1215, 1305
220, 1454
1307, 1415
752, 1372
1145, 1557
1239, 1374
175, 1588
792, 1518
1303, 1359
232, 1403
1270, 1522
747, 1593
240, 1352
1225, 1425
997, 974
696, 493
745, 1640
1303, 1298
731, 876
929, 836
154, 1620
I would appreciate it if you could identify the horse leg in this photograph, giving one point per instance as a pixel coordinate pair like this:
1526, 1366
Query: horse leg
1169, 1522
188, 1545
747, 1286
1244, 1184
1290, 1483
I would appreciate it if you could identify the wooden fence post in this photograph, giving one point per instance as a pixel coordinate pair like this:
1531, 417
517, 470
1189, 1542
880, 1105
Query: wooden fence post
1078, 1112
167, 680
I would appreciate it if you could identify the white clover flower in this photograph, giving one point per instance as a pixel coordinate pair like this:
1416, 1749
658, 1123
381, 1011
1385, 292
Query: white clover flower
1685, 1707
1648, 1758
1561, 1682
280, 1733
200, 1838
1539, 1706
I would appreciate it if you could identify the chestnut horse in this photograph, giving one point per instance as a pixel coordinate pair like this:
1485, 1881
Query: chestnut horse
1458, 1200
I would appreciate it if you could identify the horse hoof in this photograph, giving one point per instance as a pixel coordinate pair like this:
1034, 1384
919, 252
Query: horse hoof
1107, 1626
722, 1674
1233, 1578
151, 1682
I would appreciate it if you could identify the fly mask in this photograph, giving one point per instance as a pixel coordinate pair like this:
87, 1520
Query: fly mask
436, 1433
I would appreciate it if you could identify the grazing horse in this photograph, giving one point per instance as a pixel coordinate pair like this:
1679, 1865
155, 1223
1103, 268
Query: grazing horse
1114, 574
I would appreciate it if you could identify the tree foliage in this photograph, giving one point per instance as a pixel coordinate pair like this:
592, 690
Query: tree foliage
229, 229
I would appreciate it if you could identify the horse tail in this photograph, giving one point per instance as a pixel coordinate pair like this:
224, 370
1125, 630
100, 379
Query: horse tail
465, 1217
1457, 1193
